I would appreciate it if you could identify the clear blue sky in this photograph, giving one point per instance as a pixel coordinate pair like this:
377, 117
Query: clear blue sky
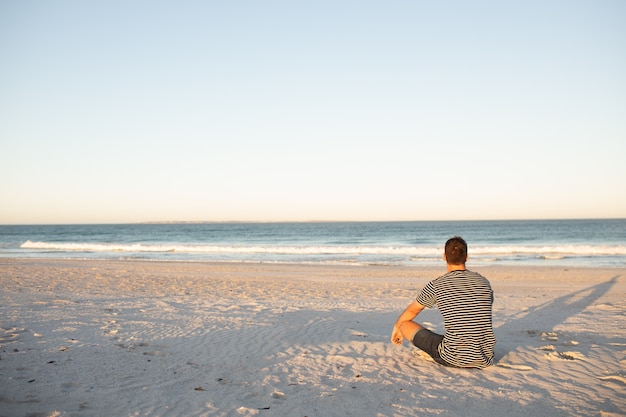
129, 111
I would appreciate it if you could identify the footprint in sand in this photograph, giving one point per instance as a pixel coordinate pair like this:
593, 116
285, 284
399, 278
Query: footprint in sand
569, 356
111, 328
550, 336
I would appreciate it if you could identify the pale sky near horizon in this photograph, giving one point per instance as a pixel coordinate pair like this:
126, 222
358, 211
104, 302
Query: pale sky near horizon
133, 111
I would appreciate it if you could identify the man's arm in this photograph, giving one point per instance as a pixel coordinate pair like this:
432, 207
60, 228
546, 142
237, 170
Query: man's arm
405, 327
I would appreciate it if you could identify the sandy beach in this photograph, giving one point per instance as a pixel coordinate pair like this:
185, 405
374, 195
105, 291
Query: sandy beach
132, 338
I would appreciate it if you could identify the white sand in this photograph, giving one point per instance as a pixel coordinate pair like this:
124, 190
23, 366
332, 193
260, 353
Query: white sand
96, 338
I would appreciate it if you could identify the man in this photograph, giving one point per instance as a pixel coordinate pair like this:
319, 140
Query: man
464, 299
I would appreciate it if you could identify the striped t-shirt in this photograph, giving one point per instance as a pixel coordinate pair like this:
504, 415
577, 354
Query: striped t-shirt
464, 299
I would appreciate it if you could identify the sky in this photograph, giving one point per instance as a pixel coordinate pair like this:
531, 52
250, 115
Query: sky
141, 111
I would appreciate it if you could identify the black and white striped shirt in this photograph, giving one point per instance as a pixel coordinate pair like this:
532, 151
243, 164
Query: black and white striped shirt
464, 299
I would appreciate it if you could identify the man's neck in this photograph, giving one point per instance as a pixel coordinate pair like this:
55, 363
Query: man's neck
456, 267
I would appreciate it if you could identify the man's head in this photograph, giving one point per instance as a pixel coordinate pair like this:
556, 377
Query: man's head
456, 251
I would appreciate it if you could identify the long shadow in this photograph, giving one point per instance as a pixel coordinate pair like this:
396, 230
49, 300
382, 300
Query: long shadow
547, 316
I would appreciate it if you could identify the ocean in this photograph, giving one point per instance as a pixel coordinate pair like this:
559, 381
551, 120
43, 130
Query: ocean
528, 242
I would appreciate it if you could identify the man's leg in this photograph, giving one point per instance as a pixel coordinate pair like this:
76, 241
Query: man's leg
409, 329
429, 342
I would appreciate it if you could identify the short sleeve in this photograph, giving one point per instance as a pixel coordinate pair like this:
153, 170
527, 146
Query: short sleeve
427, 297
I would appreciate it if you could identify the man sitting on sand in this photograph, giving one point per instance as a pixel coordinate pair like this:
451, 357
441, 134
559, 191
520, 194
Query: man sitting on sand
464, 299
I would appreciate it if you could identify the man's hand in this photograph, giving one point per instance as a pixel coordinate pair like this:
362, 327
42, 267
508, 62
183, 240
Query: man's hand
406, 323
396, 336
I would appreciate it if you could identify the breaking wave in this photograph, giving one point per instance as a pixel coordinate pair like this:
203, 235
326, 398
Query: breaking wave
545, 251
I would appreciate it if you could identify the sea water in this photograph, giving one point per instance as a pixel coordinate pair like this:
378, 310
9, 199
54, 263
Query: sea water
529, 242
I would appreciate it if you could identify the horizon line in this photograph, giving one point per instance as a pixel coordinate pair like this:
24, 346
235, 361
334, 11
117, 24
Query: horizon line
156, 222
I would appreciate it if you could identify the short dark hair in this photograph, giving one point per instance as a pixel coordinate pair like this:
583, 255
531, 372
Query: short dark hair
456, 251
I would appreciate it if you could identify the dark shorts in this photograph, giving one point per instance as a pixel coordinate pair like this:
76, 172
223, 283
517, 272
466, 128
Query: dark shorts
429, 342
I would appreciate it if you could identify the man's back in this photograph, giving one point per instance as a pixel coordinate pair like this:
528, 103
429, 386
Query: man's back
465, 300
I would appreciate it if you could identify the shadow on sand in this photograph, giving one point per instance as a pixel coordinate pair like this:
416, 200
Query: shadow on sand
545, 317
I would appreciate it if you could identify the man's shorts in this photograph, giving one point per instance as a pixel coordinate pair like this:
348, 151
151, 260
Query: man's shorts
429, 342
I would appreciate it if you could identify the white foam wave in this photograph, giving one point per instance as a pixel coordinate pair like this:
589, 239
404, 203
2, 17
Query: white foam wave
552, 251
547, 252
257, 249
